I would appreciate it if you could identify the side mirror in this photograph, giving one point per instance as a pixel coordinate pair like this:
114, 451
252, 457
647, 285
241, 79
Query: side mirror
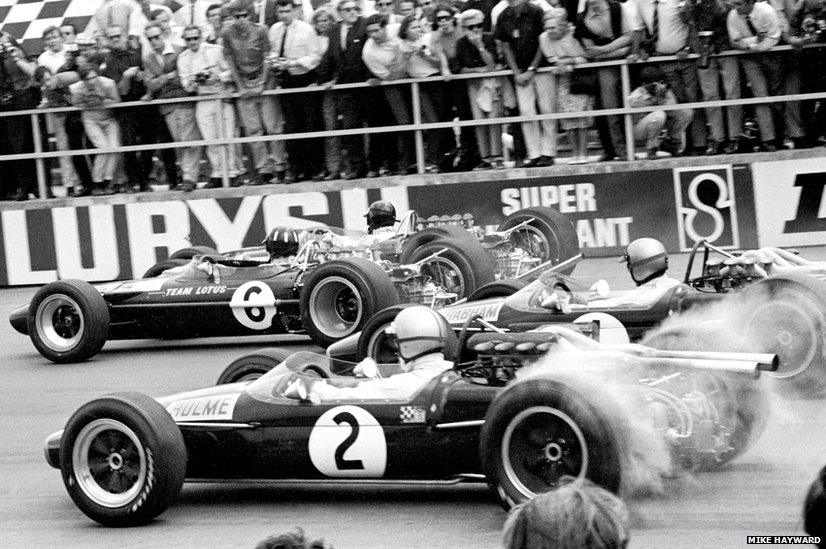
600, 288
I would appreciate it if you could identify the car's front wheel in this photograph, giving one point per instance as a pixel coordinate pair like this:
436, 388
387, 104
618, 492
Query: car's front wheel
252, 366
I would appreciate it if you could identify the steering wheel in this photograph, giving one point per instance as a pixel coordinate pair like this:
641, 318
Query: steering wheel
463, 336
314, 371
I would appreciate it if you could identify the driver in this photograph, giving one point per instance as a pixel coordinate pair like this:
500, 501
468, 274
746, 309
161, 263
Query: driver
282, 243
381, 221
422, 336
647, 262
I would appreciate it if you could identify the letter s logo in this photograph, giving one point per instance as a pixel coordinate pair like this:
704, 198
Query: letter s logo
706, 206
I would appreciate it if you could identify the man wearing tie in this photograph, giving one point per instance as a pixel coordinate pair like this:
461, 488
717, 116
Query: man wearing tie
342, 63
193, 12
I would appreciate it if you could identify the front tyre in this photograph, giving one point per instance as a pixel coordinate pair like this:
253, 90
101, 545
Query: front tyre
123, 459
549, 235
540, 430
68, 321
252, 366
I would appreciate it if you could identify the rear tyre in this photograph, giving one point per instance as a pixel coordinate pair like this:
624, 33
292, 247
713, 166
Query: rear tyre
68, 321
460, 269
373, 342
538, 431
439, 232
500, 288
339, 298
252, 366
123, 459
550, 236
161, 266
189, 253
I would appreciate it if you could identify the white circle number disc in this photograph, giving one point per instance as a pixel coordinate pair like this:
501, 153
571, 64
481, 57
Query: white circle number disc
347, 441
611, 330
253, 305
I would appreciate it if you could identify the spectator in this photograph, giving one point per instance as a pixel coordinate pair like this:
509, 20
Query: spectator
265, 12
193, 12
386, 8
408, 8
814, 509
668, 30
16, 93
69, 33
484, 6
342, 64
203, 70
476, 53
215, 17
171, 32
576, 515
295, 59
708, 18
655, 91
111, 13
755, 26
54, 55
560, 48
428, 9
809, 27
323, 21
94, 93
789, 110
162, 82
246, 48
518, 30
141, 17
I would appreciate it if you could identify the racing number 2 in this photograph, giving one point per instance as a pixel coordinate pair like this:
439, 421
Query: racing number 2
347, 464
347, 441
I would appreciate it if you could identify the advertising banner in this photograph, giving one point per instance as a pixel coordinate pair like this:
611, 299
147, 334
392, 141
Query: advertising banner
121, 240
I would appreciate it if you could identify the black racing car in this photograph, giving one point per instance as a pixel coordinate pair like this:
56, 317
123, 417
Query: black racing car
525, 411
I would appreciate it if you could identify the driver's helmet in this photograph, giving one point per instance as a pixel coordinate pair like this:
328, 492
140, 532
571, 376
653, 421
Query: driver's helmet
419, 331
380, 214
282, 242
646, 259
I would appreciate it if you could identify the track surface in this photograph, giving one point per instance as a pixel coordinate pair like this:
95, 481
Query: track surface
760, 493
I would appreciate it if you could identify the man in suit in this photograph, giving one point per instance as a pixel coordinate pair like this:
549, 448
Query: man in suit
162, 82
342, 64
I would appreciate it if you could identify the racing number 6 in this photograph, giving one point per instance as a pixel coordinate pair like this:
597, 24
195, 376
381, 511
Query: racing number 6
341, 463
256, 314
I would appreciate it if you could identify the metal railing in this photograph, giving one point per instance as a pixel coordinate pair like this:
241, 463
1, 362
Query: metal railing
417, 127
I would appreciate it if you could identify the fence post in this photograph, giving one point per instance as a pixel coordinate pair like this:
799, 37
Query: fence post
629, 119
42, 189
417, 119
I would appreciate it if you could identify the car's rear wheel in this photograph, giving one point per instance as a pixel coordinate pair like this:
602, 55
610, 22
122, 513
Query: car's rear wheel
252, 366
192, 251
375, 343
549, 235
68, 321
161, 266
123, 459
458, 268
500, 288
540, 430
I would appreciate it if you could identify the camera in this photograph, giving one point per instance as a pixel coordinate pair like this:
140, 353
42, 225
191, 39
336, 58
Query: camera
813, 28
202, 77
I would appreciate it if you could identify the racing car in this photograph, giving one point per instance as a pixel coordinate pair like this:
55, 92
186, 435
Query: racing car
775, 297
325, 291
518, 411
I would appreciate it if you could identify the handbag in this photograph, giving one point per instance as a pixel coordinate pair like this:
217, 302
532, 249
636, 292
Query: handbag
583, 82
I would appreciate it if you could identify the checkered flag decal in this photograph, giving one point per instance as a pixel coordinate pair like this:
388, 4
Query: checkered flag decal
412, 414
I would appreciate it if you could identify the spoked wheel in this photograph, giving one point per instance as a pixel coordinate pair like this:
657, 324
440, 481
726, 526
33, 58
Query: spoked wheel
539, 447
533, 241
549, 235
459, 267
447, 274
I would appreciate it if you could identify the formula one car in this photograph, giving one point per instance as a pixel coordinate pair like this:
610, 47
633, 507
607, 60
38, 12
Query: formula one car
777, 298
522, 412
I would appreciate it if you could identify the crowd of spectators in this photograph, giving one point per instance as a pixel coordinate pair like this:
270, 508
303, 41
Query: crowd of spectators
137, 51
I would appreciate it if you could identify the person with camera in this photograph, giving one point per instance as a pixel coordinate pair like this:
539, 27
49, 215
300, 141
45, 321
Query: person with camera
204, 71
655, 91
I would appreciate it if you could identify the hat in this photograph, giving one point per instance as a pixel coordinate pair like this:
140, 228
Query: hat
471, 17
84, 39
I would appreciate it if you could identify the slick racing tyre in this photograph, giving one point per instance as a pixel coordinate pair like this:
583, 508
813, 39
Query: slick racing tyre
252, 366
742, 404
189, 253
123, 459
538, 431
161, 266
550, 236
340, 296
785, 316
439, 232
68, 321
500, 288
459, 269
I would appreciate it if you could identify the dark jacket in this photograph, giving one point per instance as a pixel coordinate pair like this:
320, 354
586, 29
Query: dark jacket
345, 66
468, 56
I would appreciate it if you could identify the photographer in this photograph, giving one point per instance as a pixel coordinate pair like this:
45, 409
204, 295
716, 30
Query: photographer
809, 27
17, 92
654, 91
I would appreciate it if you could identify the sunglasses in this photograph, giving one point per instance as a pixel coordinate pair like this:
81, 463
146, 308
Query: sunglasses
444, 18
350, 9
474, 27
67, 33
114, 37
241, 15
191, 38
384, 4
153, 37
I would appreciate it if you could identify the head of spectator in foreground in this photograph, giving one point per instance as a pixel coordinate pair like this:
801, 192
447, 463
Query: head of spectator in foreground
407, 8
154, 34
53, 39
241, 17
349, 11
215, 16
285, 11
69, 33
192, 37
385, 7
291, 540
88, 65
743, 7
577, 515
445, 18
116, 39
410, 28
814, 509
555, 22
376, 28
472, 21
161, 18
323, 19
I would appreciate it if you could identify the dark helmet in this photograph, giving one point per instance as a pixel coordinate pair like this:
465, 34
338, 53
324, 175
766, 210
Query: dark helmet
282, 242
381, 214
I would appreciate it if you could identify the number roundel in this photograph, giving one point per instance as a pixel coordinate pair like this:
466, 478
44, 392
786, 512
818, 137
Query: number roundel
347, 441
611, 330
253, 305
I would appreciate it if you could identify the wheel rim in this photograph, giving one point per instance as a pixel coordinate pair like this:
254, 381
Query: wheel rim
382, 347
347, 309
109, 463
541, 445
533, 241
446, 274
791, 332
59, 322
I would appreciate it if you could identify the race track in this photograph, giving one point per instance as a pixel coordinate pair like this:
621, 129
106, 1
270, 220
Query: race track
760, 493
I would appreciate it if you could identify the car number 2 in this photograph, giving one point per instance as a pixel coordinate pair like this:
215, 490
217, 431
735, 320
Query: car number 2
253, 305
347, 441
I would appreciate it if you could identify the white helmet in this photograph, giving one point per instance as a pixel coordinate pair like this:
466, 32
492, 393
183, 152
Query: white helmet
420, 331
646, 259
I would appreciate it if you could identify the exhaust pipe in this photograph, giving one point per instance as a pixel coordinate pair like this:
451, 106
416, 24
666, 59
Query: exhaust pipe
764, 362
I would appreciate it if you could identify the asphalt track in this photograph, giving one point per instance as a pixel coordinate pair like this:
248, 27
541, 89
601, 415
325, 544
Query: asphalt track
760, 493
